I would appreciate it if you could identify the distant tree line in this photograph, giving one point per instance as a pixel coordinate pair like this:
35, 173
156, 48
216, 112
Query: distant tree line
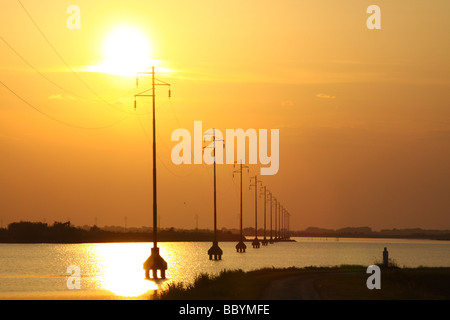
353, 232
366, 232
64, 232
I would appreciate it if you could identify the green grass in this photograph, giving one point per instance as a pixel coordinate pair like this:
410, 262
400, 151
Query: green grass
235, 284
343, 282
396, 284
228, 285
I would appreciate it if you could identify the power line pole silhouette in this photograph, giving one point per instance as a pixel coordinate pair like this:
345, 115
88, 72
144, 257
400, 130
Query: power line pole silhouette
256, 244
264, 241
240, 247
271, 219
281, 222
280, 216
285, 224
215, 250
155, 262
278, 223
286, 219
289, 225
275, 222
288, 216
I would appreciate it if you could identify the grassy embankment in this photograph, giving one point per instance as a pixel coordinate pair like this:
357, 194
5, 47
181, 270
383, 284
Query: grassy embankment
343, 282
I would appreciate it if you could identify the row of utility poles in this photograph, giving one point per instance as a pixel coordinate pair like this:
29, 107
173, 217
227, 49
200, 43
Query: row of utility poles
155, 262
281, 231
278, 232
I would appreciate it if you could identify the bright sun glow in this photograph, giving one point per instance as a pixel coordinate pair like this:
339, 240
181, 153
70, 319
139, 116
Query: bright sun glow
122, 272
126, 50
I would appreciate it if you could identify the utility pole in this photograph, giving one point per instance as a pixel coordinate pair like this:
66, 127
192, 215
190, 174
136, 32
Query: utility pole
264, 242
255, 242
275, 221
215, 250
279, 220
271, 219
286, 221
288, 227
285, 224
240, 247
155, 262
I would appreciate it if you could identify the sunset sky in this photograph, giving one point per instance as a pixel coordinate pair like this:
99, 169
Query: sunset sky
364, 115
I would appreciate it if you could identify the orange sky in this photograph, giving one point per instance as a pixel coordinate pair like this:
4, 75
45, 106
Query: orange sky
363, 114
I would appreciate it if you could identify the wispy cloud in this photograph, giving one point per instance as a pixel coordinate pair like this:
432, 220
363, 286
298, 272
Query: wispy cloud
287, 103
325, 96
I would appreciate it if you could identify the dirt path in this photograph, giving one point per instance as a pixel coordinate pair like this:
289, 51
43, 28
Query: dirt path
299, 287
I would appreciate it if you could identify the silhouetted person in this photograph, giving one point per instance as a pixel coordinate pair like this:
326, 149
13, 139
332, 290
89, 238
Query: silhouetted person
385, 257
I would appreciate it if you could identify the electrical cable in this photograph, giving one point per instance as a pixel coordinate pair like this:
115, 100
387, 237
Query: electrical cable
66, 64
157, 155
174, 114
50, 80
56, 119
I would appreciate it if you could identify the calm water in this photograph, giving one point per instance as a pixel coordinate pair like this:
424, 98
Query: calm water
114, 270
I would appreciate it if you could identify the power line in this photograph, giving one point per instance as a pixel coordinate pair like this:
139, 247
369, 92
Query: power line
65, 63
48, 79
51, 46
173, 111
56, 119
32, 67
159, 158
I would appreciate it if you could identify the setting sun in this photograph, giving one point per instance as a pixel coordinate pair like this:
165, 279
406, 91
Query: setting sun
126, 50
224, 150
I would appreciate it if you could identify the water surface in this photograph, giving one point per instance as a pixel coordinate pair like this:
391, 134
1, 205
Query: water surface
114, 270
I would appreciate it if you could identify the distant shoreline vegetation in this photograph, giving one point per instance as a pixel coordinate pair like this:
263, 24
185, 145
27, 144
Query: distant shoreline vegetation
38, 232
344, 282
64, 232
366, 232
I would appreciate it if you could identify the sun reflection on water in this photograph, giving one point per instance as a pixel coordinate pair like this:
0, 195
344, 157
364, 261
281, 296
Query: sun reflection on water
121, 269
115, 270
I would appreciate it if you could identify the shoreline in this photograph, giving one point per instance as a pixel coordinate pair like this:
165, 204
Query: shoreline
344, 282
37, 232
211, 240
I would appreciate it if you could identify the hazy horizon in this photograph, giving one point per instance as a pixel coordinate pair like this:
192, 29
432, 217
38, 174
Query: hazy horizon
211, 229
363, 115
